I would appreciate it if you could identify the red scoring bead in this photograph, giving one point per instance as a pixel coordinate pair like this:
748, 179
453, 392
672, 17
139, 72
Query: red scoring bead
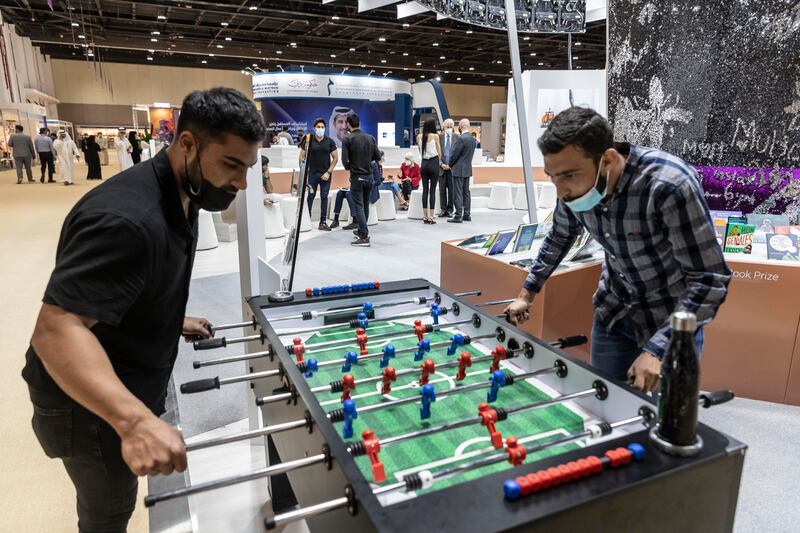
595, 465
309, 292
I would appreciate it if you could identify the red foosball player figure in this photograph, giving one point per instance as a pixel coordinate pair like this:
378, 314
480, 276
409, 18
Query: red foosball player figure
373, 447
488, 420
389, 377
361, 339
298, 349
464, 362
498, 354
516, 451
348, 384
419, 329
428, 367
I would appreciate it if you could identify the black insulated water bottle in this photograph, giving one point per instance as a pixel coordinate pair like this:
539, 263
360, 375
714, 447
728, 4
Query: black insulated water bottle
680, 386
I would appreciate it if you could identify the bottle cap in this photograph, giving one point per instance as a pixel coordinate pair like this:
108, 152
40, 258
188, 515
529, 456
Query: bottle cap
683, 321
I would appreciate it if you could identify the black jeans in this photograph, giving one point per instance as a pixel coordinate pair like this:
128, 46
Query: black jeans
360, 187
430, 176
315, 180
462, 196
48, 161
407, 188
91, 453
341, 196
446, 191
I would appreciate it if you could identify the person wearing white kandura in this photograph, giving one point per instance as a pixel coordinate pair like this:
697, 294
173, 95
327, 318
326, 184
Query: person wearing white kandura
124, 150
67, 152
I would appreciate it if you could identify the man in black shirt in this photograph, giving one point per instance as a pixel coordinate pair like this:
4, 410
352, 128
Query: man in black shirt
322, 158
359, 149
105, 340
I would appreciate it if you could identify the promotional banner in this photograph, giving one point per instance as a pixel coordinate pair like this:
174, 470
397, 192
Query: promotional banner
302, 85
299, 114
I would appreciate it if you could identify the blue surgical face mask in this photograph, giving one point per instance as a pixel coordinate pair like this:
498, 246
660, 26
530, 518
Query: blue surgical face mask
591, 199
320, 132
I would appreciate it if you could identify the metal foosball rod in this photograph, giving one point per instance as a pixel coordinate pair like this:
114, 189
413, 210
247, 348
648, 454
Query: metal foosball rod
222, 342
495, 302
231, 359
424, 479
252, 322
355, 323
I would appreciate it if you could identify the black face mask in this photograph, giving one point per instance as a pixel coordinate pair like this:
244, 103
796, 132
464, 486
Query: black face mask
207, 196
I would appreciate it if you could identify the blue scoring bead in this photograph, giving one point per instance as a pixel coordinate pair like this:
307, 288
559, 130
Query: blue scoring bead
637, 450
511, 490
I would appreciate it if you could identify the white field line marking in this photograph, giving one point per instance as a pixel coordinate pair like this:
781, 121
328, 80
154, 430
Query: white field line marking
412, 385
459, 455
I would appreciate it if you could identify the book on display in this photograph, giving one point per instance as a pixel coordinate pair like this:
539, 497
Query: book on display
476, 241
526, 233
720, 221
788, 230
502, 241
782, 247
765, 223
739, 239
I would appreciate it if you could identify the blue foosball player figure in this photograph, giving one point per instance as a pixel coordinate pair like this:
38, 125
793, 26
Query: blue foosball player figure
388, 353
362, 320
498, 379
311, 366
456, 341
350, 414
350, 359
367, 308
435, 312
423, 348
428, 394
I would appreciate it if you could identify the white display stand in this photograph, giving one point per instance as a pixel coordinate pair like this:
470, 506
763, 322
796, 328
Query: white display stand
548, 90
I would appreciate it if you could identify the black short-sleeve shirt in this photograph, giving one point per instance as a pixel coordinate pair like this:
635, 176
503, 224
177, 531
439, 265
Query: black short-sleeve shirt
125, 258
319, 154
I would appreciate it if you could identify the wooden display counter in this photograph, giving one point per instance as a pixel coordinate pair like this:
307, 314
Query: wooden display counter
563, 308
752, 347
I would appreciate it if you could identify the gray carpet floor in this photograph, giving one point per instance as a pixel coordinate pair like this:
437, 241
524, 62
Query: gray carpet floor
768, 499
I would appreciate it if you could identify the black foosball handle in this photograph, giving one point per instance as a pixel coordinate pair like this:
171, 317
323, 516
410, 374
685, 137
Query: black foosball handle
575, 340
709, 399
210, 344
200, 385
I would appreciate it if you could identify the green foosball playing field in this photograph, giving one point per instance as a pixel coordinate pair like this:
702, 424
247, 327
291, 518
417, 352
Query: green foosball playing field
444, 449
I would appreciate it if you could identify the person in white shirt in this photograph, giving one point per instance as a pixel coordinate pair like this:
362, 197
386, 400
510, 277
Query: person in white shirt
429, 148
67, 152
124, 150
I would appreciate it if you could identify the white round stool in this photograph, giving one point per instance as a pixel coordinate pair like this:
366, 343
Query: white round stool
547, 196
520, 198
501, 196
206, 234
386, 208
415, 207
373, 214
289, 211
345, 216
273, 221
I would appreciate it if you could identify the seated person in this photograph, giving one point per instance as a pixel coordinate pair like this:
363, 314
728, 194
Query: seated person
409, 177
269, 196
388, 183
341, 196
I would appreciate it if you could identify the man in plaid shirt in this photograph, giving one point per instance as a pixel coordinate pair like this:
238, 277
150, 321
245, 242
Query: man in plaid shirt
646, 208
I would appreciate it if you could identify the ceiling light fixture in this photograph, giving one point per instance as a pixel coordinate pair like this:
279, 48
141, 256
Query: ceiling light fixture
458, 79
292, 44
204, 61
334, 17
279, 52
383, 61
210, 55
435, 44
220, 46
333, 55
228, 39
152, 51
406, 25
533, 54
541, 64
161, 17
419, 64
155, 33
441, 57
382, 39
472, 68
575, 57
252, 8
405, 53
224, 23
438, 78
469, 31
352, 49
423, 76
578, 44
153, 40
74, 24
81, 36
491, 81
526, 38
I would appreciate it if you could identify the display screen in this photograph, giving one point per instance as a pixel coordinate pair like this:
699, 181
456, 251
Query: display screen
300, 113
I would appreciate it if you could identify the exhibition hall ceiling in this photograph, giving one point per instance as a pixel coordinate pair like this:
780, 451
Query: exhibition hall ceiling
271, 35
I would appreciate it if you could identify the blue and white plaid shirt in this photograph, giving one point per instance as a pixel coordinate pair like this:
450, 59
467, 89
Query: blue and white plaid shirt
661, 255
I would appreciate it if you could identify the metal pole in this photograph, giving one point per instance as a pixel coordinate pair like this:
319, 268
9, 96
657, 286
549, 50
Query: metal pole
269, 430
522, 117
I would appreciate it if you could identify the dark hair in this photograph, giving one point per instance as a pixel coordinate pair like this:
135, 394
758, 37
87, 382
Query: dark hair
427, 128
580, 126
353, 120
213, 113
264, 160
131, 136
42, 131
318, 120
286, 128
19, 127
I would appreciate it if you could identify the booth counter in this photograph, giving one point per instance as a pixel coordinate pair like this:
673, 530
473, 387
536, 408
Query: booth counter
752, 347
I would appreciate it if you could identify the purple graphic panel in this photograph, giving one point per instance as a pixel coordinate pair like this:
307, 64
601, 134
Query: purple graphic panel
752, 190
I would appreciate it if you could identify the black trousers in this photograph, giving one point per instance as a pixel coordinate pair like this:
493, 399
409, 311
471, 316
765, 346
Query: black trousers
315, 181
462, 196
90, 450
360, 187
406, 189
446, 191
47, 160
341, 196
430, 176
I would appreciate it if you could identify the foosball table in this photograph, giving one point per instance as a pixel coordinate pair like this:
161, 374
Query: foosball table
397, 406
